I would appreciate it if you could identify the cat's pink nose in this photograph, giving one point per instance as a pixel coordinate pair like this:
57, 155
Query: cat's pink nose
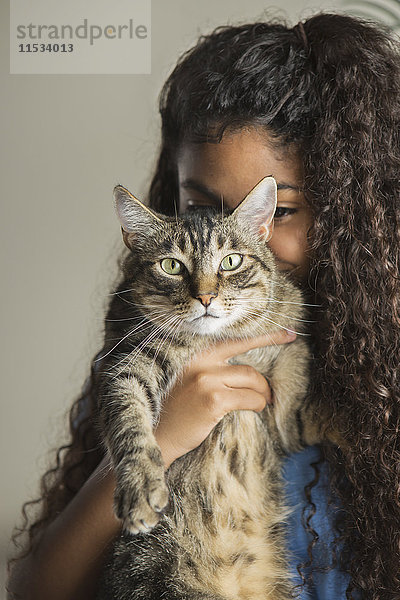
205, 299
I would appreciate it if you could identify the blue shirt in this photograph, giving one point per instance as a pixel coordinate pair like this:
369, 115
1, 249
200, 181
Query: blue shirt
297, 473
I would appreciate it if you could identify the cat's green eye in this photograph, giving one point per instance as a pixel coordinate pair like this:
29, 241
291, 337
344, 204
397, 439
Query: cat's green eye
171, 266
231, 262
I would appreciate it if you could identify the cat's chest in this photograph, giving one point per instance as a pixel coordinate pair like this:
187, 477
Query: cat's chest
230, 506
261, 359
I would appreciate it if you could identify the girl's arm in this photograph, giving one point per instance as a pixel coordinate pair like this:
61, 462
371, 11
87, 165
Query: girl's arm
67, 560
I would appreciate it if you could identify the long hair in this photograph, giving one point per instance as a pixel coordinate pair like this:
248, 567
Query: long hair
330, 87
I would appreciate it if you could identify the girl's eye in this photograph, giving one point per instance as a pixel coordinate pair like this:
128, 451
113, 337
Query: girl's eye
283, 211
231, 262
171, 266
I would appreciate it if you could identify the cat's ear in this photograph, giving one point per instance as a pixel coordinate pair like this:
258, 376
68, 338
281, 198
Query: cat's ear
135, 217
258, 208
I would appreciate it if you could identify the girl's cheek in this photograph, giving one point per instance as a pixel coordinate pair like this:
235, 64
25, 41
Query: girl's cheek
280, 249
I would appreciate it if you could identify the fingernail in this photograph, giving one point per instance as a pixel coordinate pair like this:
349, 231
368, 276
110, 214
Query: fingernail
290, 334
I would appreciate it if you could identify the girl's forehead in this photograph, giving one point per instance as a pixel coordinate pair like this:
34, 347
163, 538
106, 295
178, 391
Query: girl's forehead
229, 169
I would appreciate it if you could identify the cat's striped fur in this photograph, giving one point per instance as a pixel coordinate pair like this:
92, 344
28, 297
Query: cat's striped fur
220, 536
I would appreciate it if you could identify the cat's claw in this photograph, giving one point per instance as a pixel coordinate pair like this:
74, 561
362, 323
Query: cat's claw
140, 507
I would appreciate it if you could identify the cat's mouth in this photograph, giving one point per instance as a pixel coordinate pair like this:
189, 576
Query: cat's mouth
208, 323
209, 312
205, 315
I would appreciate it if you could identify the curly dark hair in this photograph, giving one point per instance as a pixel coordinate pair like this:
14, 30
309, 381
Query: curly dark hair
330, 87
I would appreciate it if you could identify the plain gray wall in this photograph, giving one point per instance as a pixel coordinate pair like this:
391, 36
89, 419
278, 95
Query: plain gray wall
66, 141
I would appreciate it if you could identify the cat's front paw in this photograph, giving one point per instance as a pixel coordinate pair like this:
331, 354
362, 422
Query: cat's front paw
140, 496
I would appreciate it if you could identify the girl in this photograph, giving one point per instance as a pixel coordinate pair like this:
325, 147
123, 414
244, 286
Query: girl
318, 107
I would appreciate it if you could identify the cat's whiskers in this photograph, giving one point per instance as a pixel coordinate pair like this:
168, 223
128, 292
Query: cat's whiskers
176, 211
142, 350
121, 320
162, 342
127, 301
269, 299
279, 314
121, 292
263, 317
262, 331
291, 302
171, 341
143, 306
175, 320
163, 328
127, 360
279, 285
104, 470
144, 324
121, 340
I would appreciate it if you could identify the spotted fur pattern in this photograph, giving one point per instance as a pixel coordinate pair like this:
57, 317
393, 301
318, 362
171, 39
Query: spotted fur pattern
211, 527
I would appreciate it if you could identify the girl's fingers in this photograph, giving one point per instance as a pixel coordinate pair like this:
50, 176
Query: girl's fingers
246, 399
244, 376
224, 350
224, 401
230, 379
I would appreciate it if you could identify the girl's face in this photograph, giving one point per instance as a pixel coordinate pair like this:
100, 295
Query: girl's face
227, 171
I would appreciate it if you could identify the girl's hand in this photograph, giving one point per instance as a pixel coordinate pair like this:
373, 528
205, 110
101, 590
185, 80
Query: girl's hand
208, 389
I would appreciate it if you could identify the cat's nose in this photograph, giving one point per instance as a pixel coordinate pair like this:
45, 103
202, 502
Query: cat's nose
205, 299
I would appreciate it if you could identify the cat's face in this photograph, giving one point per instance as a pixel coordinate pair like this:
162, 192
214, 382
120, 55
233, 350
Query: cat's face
205, 274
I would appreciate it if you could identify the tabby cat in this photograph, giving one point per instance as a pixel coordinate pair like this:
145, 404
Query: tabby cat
211, 527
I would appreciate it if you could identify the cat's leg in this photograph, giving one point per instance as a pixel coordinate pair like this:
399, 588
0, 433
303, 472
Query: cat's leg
125, 403
297, 421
